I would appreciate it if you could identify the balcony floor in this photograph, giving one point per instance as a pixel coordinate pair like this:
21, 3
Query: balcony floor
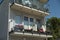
25, 9
30, 34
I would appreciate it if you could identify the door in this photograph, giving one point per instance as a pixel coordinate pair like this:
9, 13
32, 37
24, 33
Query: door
38, 23
26, 23
17, 19
31, 23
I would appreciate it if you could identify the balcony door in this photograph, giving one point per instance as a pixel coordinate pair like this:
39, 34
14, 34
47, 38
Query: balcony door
31, 23
17, 19
26, 23
38, 23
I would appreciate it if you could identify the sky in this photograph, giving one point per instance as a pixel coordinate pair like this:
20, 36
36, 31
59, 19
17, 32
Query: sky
54, 8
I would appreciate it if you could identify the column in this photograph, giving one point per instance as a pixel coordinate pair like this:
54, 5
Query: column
4, 20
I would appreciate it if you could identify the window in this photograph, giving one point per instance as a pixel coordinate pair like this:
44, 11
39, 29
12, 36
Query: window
31, 19
38, 20
17, 19
11, 1
25, 18
20, 1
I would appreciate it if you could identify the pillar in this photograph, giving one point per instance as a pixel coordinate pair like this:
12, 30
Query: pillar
4, 20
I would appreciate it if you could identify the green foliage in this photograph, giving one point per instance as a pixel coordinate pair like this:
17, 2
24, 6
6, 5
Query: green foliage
53, 24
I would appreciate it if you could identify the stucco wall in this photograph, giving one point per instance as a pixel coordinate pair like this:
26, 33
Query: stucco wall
14, 13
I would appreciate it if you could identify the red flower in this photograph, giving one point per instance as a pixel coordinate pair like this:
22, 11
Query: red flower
19, 25
40, 30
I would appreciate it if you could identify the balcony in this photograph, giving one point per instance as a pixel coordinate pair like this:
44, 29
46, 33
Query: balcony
19, 30
32, 34
30, 7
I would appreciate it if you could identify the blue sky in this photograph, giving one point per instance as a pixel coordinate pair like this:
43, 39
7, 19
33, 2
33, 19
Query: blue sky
54, 8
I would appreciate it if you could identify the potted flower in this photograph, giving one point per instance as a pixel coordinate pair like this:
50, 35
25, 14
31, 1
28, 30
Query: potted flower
20, 26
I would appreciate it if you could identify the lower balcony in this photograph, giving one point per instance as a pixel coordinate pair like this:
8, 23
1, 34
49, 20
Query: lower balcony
19, 30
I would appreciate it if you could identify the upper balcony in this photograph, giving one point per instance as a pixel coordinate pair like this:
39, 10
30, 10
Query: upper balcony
30, 6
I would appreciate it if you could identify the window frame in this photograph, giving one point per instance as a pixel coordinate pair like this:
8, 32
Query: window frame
31, 19
26, 18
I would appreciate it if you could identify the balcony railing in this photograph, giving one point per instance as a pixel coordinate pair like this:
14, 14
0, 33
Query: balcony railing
32, 32
32, 4
20, 29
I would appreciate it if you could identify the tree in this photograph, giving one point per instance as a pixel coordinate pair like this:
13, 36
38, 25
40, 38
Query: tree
53, 24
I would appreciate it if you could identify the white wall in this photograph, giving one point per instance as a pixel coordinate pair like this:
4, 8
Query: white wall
14, 13
12, 16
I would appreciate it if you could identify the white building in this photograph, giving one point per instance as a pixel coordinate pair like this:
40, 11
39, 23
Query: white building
26, 20
30, 13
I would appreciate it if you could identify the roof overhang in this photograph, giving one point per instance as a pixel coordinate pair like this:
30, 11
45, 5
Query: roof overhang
29, 10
